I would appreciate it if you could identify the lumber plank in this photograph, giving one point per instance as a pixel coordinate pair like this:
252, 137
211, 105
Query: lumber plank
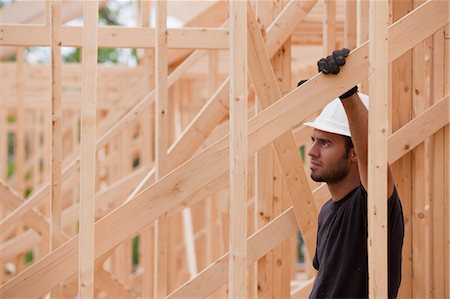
161, 145
329, 27
116, 37
350, 25
377, 152
263, 128
56, 193
237, 261
264, 189
87, 159
19, 156
401, 107
437, 275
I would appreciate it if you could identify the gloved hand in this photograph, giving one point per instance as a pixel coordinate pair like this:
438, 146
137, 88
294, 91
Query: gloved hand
331, 65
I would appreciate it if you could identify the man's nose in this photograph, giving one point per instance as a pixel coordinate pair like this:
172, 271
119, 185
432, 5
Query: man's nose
312, 152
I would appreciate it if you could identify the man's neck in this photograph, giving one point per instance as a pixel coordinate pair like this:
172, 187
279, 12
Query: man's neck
341, 189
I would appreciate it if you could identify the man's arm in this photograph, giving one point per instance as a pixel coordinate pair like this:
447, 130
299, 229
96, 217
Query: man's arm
358, 118
357, 114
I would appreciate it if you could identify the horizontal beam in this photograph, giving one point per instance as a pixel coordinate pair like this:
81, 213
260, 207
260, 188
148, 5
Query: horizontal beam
116, 37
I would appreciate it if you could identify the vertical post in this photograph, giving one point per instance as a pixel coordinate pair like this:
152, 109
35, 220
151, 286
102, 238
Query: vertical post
350, 24
55, 239
19, 140
362, 30
237, 274
378, 133
210, 206
161, 144
55, 205
87, 161
447, 165
329, 27
420, 174
438, 177
401, 170
265, 179
146, 250
19, 149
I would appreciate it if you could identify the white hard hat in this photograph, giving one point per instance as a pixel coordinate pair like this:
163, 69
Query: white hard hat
333, 118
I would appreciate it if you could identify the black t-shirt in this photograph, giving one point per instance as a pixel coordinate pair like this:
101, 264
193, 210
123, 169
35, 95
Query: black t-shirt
341, 249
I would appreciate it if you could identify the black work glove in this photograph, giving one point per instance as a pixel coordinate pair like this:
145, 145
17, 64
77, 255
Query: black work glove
331, 65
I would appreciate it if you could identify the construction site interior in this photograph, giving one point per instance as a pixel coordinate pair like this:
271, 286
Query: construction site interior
116, 157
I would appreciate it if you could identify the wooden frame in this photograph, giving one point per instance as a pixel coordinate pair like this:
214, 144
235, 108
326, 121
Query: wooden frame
193, 152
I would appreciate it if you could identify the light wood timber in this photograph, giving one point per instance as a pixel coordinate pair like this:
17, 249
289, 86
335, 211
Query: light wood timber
401, 113
237, 260
329, 27
56, 194
377, 159
160, 278
87, 158
116, 37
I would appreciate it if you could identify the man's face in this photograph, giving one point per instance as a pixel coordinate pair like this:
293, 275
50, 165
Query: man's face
329, 157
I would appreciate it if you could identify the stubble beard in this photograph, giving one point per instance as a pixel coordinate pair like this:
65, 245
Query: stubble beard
334, 174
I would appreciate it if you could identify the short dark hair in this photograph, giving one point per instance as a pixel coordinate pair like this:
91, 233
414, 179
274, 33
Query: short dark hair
348, 144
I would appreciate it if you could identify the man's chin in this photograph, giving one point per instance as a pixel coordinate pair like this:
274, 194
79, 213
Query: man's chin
317, 179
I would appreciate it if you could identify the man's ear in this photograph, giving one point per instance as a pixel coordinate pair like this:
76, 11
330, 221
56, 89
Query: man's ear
353, 156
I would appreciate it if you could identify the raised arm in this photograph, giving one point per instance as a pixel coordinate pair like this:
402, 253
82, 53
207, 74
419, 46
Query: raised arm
357, 114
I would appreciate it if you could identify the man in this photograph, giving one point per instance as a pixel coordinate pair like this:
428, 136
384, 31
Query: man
339, 158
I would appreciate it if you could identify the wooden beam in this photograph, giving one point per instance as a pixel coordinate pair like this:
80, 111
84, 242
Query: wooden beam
87, 160
329, 27
19, 140
116, 37
237, 274
350, 24
264, 174
438, 273
377, 154
173, 188
161, 146
401, 113
56, 196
